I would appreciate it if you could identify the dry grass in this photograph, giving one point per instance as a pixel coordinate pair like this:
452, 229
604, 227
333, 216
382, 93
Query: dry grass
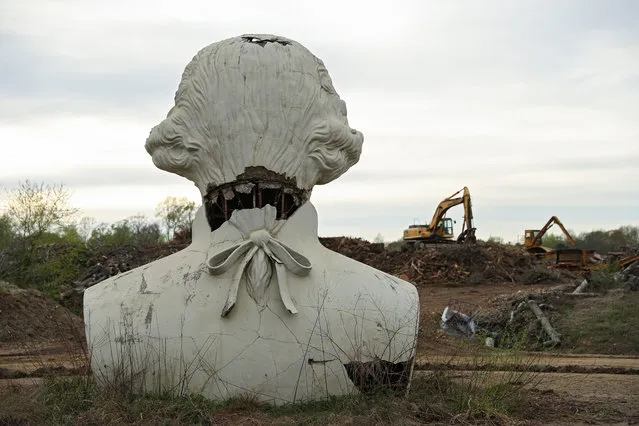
436, 398
65, 400
443, 396
493, 387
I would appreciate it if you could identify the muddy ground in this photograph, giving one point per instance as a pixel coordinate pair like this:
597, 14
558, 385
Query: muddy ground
39, 337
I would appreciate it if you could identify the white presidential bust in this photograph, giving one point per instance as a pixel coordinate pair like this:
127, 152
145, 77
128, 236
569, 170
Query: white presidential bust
255, 304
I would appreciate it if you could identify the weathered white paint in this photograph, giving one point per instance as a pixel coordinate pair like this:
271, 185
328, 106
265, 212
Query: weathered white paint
165, 319
258, 305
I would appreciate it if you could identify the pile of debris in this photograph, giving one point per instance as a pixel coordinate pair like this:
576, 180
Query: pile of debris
630, 275
524, 311
449, 264
112, 261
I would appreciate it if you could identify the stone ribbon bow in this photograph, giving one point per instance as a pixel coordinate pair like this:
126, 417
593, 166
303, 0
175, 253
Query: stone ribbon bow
256, 252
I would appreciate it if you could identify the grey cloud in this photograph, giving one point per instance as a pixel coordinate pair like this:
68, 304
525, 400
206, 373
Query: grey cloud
536, 215
531, 216
149, 176
26, 110
485, 58
100, 176
546, 165
488, 46
29, 74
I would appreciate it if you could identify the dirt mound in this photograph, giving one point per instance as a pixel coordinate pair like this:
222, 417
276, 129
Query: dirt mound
28, 316
448, 264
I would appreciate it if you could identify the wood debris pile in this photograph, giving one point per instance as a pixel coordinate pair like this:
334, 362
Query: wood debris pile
447, 264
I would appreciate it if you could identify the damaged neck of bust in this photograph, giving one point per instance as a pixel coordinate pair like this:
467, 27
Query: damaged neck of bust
255, 188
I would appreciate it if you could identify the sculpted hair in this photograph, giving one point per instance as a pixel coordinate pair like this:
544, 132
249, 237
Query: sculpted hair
255, 100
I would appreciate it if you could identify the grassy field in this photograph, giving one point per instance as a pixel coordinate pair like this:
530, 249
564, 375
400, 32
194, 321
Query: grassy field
608, 324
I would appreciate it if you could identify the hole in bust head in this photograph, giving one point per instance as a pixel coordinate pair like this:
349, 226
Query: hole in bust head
263, 41
255, 188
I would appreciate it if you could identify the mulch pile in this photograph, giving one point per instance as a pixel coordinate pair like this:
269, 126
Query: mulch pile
448, 264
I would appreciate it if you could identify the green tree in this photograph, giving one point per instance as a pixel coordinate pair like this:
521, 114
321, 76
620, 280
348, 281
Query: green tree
144, 230
6, 231
175, 214
555, 241
135, 230
604, 241
495, 240
36, 208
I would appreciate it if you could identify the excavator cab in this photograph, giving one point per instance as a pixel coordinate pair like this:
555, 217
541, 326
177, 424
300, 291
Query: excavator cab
531, 238
443, 231
445, 228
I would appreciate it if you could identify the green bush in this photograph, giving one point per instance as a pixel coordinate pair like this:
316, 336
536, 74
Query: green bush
602, 280
48, 263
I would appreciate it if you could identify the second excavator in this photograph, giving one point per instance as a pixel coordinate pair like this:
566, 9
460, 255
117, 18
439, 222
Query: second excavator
572, 257
440, 228
533, 239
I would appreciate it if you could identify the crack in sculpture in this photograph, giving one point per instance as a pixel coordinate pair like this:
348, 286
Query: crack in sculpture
259, 249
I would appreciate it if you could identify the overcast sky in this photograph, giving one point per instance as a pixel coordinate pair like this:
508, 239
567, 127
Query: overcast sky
534, 105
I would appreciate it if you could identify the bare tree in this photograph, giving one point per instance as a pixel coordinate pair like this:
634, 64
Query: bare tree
175, 213
36, 208
85, 226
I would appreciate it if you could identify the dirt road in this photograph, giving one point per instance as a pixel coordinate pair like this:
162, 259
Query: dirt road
37, 360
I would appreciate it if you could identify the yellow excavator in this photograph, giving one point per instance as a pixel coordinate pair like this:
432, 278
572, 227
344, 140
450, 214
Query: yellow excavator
533, 238
572, 258
440, 228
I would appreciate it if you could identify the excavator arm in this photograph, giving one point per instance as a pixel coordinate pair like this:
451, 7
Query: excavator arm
440, 228
553, 220
467, 233
446, 205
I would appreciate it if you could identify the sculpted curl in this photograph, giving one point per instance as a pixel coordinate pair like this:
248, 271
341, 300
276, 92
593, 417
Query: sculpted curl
255, 100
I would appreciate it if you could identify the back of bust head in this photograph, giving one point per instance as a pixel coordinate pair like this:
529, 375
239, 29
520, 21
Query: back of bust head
255, 102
